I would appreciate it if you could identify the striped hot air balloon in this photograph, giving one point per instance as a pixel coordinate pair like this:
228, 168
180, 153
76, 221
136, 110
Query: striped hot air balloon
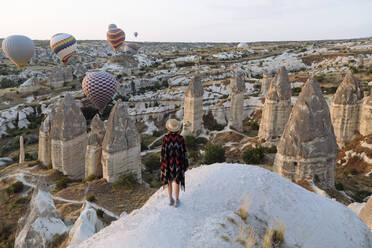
130, 49
116, 37
64, 45
19, 49
99, 87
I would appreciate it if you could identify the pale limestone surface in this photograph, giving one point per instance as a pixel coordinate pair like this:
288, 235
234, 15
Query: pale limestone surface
121, 147
237, 88
277, 107
56, 79
44, 153
193, 106
69, 139
345, 109
21, 150
29, 86
307, 149
93, 153
365, 127
67, 74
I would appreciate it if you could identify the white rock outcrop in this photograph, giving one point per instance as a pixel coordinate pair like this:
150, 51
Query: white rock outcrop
21, 150
193, 107
93, 153
265, 83
307, 149
237, 88
85, 226
69, 139
366, 213
310, 220
121, 146
345, 109
365, 127
277, 107
41, 222
29, 86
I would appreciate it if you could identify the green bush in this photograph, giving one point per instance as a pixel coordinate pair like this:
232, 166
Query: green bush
62, 182
339, 186
190, 142
296, 91
211, 123
201, 140
127, 180
143, 147
15, 188
214, 154
91, 198
156, 133
6, 83
100, 212
90, 178
153, 163
254, 155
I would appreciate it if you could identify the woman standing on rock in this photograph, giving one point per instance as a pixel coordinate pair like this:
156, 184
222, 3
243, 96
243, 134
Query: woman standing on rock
174, 160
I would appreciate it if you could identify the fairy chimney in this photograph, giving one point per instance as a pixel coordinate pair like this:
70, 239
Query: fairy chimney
345, 108
237, 88
365, 127
56, 79
69, 139
265, 83
93, 153
67, 74
44, 153
21, 150
193, 106
277, 107
121, 147
307, 149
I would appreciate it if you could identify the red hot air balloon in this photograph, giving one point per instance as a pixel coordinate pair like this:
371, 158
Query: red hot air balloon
99, 87
116, 38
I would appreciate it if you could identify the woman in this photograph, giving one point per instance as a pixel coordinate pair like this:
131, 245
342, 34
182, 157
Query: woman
173, 159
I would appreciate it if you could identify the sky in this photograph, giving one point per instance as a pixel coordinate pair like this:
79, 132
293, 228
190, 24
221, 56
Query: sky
190, 20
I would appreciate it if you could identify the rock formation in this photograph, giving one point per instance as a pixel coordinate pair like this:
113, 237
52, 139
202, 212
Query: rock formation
365, 127
80, 71
345, 108
237, 88
21, 150
220, 114
67, 74
69, 139
366, 213
85, 226
265, 83
307, 149
121, 146
29, 86
93, 153
44, 153
41, 222
193, 106
277, 107
56, 79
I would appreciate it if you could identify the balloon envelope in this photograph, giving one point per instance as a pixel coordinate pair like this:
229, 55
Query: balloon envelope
19, 49
116, 38
64, 45
135, 34
99, 87
112, 26
130, 49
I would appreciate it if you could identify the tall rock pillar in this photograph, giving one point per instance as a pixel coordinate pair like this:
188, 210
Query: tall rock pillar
365, 127
44, 153
237, 88
307, 149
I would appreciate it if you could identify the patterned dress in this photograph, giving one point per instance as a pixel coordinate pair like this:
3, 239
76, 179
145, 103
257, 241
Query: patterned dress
174, 160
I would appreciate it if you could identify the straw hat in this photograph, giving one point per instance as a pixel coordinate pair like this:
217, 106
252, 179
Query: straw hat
173, 125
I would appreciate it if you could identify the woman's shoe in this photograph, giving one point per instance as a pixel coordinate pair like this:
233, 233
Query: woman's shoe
177, 203
171, 202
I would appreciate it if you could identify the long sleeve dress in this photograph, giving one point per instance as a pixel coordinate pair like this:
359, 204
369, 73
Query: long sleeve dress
174, 161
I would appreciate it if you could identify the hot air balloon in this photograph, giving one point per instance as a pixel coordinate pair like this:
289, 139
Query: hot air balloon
64, 45
99, 87
19, 49
115, 37
112, 26
135, 34
130, 49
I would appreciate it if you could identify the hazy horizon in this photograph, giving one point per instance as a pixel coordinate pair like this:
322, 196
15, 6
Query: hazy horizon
191, 21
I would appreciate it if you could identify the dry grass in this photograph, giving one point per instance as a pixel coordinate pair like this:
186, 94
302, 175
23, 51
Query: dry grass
247, 237
274, 237
243, 211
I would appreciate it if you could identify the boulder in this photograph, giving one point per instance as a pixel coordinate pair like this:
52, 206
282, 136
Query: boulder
366, 213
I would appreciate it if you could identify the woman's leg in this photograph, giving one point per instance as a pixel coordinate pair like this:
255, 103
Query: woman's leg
177, 190
170, 190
